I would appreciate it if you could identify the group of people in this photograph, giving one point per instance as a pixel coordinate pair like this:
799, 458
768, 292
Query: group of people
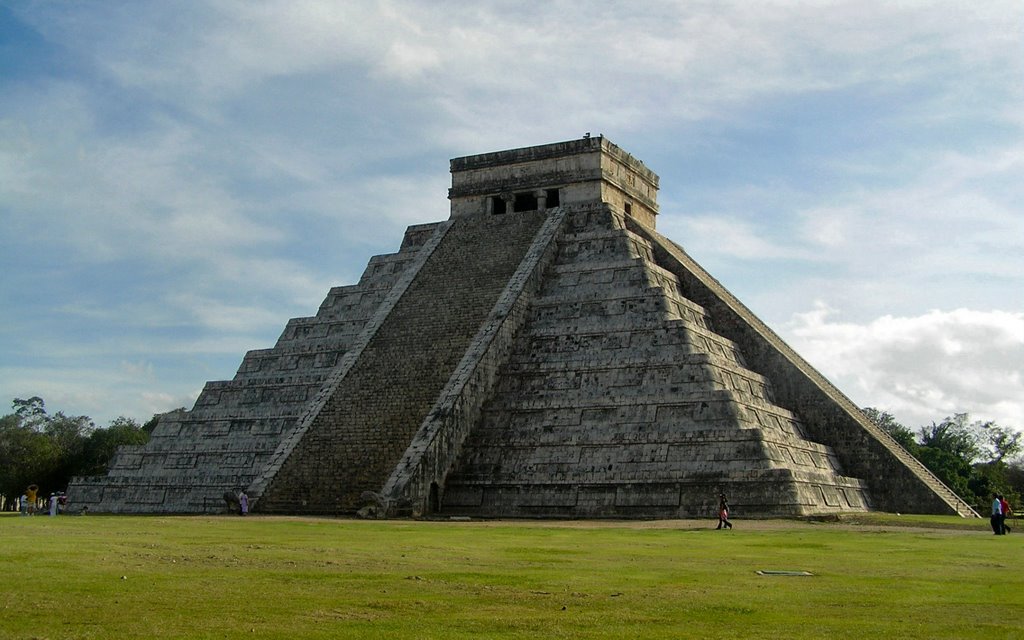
237, 501
1000, 511
30, 501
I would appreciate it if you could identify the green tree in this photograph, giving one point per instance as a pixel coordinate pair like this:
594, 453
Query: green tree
27, 456
953, 470
102, 444
1000, 443
949, 449
37, 448
971, 458
1015, 482
151, 424
67, 435
989, 478
31, 412
888, 423
955, 436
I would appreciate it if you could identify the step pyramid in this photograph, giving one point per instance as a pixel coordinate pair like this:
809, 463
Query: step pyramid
542, 353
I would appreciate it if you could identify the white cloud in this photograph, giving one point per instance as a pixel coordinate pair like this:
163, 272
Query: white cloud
405, 60
137, 369
240, 158
666, 61
957, 216
116, 195
948, 234
733, 237
921, 368
216, 315
101, 394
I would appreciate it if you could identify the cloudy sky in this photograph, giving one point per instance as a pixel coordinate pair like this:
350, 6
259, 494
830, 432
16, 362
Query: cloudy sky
177, 179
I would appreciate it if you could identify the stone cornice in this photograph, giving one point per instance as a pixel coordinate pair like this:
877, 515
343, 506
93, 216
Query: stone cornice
554, 150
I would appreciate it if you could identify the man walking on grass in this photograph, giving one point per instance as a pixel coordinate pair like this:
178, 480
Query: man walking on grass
1004, 508
997, 515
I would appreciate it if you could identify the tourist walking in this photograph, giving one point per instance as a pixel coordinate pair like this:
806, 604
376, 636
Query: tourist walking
1004, 506
243, 502
997, 515
723, 513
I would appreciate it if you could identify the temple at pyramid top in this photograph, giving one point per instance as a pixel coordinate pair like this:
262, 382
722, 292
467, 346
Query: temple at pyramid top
544, 352
590, 169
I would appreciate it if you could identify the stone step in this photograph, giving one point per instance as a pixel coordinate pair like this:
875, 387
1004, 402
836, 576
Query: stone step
239, 423
368, 422
752, 491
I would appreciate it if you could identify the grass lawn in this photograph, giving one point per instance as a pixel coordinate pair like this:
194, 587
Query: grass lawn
268, 577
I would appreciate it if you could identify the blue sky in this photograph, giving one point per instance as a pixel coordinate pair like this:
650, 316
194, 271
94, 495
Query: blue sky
177, 179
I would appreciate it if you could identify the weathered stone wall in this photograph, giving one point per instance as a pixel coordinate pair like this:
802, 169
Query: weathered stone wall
619, 399
568, 362
896, 480
235, 427
312, 413
585, 171
415, 485
357, 438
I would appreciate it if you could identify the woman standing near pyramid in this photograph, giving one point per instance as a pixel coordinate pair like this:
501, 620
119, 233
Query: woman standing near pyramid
723, 513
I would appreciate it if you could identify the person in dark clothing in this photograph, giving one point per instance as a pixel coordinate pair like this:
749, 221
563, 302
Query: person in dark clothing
723, 513
231, 502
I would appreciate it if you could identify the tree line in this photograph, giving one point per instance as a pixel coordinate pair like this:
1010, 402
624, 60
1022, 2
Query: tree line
48, 450
976, 459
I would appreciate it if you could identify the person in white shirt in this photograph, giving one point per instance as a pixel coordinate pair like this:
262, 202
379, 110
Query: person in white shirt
997, 515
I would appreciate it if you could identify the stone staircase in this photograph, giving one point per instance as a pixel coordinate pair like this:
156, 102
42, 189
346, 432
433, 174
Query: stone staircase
567, 362
236, 425
620, 399
897, 481
355, 440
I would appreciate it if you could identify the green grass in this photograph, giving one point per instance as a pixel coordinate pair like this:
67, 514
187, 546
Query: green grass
224, 577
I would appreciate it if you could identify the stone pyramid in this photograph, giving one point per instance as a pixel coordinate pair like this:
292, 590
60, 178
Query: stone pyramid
542, 353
